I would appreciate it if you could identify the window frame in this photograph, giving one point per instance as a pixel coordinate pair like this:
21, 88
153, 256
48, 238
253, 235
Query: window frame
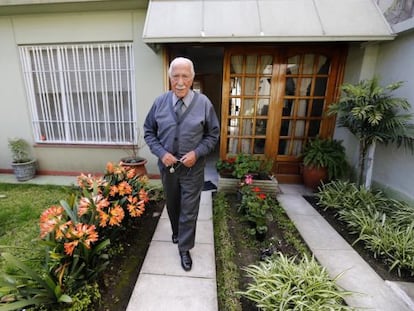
81, 94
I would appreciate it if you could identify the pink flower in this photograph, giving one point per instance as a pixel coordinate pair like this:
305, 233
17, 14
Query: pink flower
249, 179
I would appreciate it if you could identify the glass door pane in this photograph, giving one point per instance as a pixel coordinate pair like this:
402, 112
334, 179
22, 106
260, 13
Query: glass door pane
250, 91
304, 99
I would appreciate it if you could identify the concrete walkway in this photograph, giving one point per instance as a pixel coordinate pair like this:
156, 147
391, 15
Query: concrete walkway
164, 285
334, 253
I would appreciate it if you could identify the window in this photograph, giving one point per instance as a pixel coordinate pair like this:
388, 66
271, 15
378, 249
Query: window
81, 94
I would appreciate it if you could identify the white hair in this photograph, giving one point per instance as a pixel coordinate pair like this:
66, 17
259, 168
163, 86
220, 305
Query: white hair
181, 60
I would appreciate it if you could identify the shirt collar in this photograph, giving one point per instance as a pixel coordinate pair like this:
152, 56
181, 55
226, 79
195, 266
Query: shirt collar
187, 99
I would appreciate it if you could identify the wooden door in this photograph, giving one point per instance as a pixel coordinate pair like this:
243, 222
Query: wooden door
274, 100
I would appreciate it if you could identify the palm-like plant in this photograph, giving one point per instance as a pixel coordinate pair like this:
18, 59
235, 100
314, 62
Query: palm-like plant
373, 115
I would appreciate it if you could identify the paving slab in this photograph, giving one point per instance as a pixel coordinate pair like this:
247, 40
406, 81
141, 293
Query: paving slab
204, 231
163, 258
173, 293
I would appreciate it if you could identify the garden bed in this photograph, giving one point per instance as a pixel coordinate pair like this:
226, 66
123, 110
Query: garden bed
237, 249
379, 267
249, 251
118, 282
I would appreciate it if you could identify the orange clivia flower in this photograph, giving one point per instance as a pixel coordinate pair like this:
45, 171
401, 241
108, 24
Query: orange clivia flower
83, 206
70, 247
81, 233
116, 215
50, 219
103, 219
114, 190
131, 173
89, 182
109, 168
61, 229
101, 203
143, 195
136, 208
124, 188
119, 170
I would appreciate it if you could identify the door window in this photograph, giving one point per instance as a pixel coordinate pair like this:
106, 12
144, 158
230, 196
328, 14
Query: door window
274, 100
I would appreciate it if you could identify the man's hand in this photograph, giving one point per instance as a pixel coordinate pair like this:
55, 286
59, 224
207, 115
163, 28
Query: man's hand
168, 159
189, 159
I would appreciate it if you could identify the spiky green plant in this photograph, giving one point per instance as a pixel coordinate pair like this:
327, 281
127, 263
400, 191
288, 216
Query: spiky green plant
371, 113
283, 283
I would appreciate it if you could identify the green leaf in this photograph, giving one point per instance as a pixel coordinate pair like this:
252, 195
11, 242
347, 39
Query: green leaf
65, 298
20, 304
17, 263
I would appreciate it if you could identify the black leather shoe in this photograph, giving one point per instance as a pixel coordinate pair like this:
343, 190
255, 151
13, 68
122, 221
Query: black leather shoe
174, 238
186, 261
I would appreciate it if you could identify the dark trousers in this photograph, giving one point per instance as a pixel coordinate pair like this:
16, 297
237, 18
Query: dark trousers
182, 191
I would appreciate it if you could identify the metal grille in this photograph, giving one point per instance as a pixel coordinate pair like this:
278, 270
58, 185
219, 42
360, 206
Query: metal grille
81, 94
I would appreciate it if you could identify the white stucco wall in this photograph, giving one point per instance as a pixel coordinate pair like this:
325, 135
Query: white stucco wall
351, 75
390, 61
394, 168
15, 119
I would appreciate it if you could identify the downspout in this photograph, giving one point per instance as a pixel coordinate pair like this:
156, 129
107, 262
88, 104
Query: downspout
368, 67
369, 165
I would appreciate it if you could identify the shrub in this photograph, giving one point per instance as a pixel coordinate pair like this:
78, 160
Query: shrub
77, 234
383, 225
242, 164
282, 283
255, 206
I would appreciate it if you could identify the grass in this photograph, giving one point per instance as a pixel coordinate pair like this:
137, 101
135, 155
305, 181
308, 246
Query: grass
227, 270
20, 210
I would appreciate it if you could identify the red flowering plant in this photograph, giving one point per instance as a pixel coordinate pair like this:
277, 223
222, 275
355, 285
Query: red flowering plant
79, 230
255, 206
225, 167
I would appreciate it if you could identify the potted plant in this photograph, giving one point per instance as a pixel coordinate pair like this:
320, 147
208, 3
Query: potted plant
225, 167
323, 159
133, 160
24, 166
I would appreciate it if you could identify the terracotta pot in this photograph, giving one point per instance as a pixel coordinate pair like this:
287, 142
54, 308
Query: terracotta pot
138, 165
314, 176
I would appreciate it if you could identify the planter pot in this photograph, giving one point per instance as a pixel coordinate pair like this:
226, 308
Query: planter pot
313, 177
136, 163
231, 185
24, 171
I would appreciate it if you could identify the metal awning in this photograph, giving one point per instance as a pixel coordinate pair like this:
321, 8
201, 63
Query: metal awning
264, 21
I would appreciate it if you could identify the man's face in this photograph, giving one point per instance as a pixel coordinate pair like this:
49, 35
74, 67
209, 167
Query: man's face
181, 79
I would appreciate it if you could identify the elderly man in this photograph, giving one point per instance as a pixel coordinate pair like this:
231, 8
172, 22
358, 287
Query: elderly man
181, 129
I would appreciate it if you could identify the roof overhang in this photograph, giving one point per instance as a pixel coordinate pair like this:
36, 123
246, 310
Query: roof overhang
16, 7
169, 21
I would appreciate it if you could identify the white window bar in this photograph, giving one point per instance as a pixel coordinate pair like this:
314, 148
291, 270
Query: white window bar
81, 94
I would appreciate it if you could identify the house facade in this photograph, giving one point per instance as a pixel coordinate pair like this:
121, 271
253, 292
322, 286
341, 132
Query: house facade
78, 77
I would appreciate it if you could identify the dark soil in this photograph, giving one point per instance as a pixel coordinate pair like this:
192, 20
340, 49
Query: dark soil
375, 263
119, 280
